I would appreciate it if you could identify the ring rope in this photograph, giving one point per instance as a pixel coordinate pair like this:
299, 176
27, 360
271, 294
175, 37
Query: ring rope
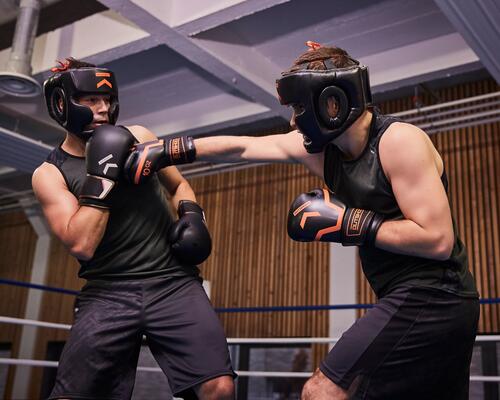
293, 340
262, 374
235, 309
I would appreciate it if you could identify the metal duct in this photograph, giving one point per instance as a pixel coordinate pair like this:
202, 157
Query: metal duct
17, 80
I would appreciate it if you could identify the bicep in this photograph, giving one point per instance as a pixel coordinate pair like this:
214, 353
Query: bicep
57, 202
141, 133
410, 167
288, 147
285, 147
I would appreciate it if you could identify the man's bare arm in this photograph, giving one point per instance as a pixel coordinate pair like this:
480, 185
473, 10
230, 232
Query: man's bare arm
170, 177
412, 166
282, 148
80, 229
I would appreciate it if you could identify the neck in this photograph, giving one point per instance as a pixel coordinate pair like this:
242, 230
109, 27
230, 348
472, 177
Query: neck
73, 145
353, 141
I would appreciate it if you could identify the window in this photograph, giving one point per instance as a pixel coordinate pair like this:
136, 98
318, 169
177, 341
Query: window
271, 358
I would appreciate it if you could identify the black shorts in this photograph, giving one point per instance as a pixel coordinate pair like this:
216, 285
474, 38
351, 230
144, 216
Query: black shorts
182, 329
415, 343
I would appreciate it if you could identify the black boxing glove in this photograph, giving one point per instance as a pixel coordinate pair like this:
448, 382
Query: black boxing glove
149, 157
105, 154
319, 216
189, 237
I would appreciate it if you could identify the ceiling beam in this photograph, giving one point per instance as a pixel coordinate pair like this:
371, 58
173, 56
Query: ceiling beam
414, 80
250, 123
22, 153
232, 79
112, 54
226, 15
477, 22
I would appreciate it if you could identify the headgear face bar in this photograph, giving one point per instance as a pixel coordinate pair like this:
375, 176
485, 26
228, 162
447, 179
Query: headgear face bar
311, 89
63, 88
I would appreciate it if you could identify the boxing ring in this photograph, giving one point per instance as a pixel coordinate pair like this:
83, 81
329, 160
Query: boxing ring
263, 374
277, 341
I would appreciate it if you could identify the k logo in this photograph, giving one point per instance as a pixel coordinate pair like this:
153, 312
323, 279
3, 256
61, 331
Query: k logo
108, 165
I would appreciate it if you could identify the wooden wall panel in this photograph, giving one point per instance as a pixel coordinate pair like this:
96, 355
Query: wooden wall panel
17, 247
254, 263
472, 162
56, 307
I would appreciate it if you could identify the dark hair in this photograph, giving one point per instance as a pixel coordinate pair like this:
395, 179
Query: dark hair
71, 63
314, 59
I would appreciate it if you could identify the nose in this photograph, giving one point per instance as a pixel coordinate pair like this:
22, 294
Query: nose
102, 106
292, 121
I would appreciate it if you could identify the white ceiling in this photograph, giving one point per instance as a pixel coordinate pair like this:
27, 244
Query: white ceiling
204, 66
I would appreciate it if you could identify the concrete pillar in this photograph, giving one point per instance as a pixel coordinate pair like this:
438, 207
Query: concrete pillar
34, 297
342, 287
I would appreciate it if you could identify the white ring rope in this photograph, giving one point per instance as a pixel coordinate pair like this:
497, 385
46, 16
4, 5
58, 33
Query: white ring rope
258, 374
32, 322
284, 340
263, 374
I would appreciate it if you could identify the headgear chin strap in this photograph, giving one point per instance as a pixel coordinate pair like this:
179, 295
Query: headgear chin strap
63, 88
311, 90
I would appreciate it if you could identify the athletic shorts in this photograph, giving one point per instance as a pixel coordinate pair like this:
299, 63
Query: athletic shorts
182, 329
415, 343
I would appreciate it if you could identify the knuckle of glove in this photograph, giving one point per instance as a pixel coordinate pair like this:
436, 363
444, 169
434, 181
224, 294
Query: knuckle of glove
107, 150
314, 218
146, 159
192, 243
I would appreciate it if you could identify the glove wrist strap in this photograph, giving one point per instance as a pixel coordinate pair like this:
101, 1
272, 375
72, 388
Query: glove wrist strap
180, 150
95, 191
188, 206
360, 227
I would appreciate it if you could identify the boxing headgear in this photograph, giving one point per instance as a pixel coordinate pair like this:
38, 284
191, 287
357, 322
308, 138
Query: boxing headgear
311, 89
63, 88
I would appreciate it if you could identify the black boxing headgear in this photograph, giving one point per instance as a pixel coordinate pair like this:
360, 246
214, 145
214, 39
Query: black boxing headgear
63, 88
312, 89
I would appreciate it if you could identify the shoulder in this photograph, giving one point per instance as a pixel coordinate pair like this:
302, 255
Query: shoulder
402, 139
402, 133
405, 147
141, 133
47, 171
47, 177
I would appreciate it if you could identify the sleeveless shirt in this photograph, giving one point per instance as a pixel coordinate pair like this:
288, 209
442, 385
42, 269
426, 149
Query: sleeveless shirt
135, 243
361, 183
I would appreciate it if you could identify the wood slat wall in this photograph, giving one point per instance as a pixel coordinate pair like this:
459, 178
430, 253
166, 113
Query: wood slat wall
56, 307
253, 261
17, 247
472, 162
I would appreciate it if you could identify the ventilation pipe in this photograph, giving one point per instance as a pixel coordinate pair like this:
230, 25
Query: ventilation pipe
17, 80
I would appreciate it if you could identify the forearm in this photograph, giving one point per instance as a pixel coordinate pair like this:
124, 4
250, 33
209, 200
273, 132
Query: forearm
407, 237
182, 192
85, 230
221, 148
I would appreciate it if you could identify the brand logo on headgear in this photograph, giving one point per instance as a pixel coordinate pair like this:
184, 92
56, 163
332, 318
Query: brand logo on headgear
103, 81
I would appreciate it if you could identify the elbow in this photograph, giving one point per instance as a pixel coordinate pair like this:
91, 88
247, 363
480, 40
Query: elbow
81, 252
443, 248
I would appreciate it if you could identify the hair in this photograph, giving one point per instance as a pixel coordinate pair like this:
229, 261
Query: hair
71, 63
314, 58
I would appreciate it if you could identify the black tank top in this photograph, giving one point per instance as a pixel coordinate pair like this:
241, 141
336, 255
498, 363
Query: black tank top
135, 244
361, 183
